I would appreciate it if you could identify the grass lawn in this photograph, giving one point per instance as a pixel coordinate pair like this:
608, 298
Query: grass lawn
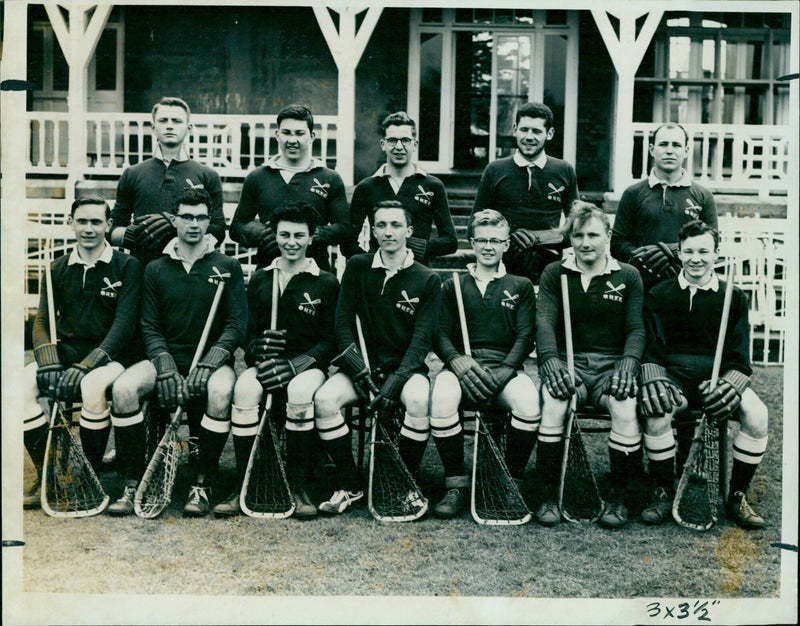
355, 555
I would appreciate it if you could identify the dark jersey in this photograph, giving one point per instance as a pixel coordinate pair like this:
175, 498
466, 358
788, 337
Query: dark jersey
96, 307
175, 306
606, 318
502, 319
306, 309
398, 316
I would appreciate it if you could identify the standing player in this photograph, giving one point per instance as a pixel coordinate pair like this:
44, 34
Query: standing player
96, 298
293, 358
652, 211
177, 293
292, 176
146, 191
532, 191
682, 317
397, 301
500, 311
605, 299
422, 195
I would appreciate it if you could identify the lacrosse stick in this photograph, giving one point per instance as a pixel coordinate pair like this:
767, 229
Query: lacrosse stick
392, 494
154, 492
697, 495
578, 497
265, 489
495, 499
70, 487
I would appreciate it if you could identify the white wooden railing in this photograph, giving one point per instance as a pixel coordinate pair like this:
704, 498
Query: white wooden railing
231, 144
730, 158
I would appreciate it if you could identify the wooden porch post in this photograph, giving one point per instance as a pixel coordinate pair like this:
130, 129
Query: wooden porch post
78, 42
626, 52
346, 44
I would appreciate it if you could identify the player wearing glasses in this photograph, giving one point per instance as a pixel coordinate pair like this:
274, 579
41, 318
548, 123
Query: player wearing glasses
177, 292
422, 195
500, 310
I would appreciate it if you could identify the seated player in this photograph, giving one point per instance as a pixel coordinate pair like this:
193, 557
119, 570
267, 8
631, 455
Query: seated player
682, 317
96, 298
177, 293
290, 361
605, 299
397, 301
500, 310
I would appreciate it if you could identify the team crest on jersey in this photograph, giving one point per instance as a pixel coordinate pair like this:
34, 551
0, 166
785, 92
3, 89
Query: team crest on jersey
320, 188
407, 305
692, 210
510, 302
309, 306
423, 196
613, 292
218, 277
554, 195
110, 290
191, 185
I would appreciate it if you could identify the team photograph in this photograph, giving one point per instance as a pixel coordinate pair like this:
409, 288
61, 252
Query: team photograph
357, 313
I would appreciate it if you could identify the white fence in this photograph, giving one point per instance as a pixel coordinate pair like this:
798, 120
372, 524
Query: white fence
731, 158
231, 144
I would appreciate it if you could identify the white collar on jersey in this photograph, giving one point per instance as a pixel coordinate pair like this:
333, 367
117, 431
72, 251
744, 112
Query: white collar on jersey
571, 263
310, 267
501, 271
539, 161
654, 181
105, 257
381, 171
711, 285
408, 261
183, 154
272, 163
171, 249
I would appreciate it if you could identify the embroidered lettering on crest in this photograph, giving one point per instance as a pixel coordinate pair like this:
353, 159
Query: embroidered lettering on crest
554, 195
613, 292
424, 197
218, 277
110, 290
309, 306
510, 302
407, 304
319, 188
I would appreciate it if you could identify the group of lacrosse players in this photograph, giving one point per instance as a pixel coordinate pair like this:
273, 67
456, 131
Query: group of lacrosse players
633, 335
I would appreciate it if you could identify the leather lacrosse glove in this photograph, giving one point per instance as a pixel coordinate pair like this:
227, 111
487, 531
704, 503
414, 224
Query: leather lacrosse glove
267, 245
524, 239
352, 364
156, 231
69, 387
131, 239
270, 343
275, 374
622, 382
50, 369
657, 260
197, 381
476, 383
721, 402
388, 398
169, 382
418, 246
557, 379
658, 395
502, 374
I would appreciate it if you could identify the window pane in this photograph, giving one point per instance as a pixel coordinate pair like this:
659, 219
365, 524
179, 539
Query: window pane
36, 58
472, 99
555, 87
432, 16
60, 68
679, 50
430, 85
106, 61
556, 18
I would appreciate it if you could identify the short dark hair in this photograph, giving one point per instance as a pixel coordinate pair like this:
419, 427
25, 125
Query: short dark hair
170, 101
669, 125
391, 204
696, 228
90, 198
400, 118
487, 217
193, 196
297, 112
297, 213
535, 109
580, 213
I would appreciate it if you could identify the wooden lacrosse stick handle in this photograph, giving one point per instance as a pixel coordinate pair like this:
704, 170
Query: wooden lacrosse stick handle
568, 336
723, 325
462, 317
51, 306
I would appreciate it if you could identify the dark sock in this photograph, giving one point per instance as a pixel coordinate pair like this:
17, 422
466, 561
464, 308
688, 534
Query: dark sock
211, 445
94, 443
519, 445
130, 444
299, 448
663, 473
451, 452
548, 462
411, 451
619, 465
741, 475
340, 450
242, 447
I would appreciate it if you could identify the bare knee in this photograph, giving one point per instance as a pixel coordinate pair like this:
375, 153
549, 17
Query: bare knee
553, 410
130, 386
623, 415
302, 387
333, 395
247, 391
658, 426
95, 384
753, 415
520, 396
446, 394
415, 396
220, 390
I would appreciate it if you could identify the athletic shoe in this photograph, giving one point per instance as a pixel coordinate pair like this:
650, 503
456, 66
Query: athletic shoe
124, 506
740, 511
303, 507
340, 501
615, 514
32, 498
228, 507
197, 505
548, 513
452, 505
660, 508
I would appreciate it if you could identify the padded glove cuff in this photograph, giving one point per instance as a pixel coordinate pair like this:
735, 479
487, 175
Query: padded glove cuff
46, 354
740, 382
95, 358
165, 365
393, 386
215, 358
302, 362
350, 361
651, 372
418, 246
628, 364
